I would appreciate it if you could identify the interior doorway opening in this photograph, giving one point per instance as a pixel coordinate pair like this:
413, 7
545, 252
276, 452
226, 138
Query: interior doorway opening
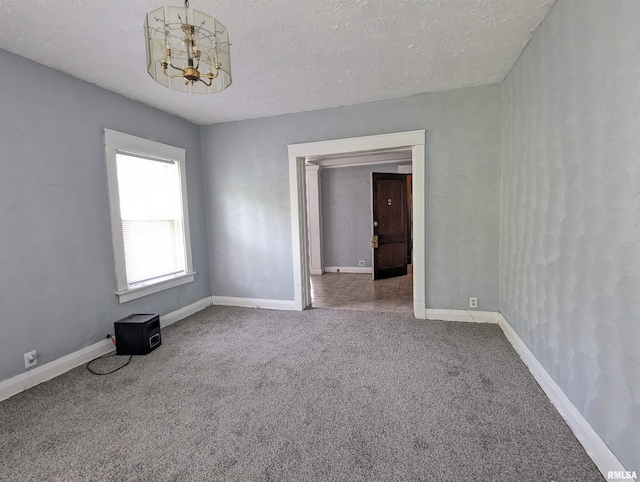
413, 142
346, 266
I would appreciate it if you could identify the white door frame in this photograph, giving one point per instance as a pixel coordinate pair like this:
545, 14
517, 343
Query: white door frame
415, 140
316, 264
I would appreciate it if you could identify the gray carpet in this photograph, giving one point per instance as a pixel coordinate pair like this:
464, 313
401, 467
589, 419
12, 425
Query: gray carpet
244, 394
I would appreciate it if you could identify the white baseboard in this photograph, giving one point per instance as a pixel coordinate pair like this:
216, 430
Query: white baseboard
595, 447
420, 311
35, 376
348, 269
171, 318
254, 303
316, 271
463, 315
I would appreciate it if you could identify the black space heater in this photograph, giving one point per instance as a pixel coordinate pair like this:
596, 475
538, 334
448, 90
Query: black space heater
137, 334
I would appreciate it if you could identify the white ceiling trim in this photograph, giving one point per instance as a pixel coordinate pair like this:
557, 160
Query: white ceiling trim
360, 159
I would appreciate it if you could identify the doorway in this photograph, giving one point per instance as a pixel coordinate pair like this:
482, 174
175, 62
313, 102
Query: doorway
340, 209
413, 140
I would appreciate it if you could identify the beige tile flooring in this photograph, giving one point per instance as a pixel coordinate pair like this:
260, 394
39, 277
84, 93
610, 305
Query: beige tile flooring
349, 291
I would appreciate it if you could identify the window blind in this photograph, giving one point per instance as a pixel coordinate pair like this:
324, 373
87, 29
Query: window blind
151, 213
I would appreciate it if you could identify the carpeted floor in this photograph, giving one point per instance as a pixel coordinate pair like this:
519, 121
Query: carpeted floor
244, 394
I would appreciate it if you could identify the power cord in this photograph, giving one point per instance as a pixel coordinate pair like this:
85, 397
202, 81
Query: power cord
91, 370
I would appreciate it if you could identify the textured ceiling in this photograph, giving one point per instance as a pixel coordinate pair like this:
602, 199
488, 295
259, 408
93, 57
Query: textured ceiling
287, 55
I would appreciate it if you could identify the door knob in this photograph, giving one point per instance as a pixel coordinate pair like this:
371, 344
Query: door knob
375, 224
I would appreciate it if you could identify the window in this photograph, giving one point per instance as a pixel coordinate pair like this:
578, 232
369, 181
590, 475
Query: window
149, 216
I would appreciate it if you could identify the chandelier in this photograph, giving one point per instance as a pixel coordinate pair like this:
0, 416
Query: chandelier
187, 50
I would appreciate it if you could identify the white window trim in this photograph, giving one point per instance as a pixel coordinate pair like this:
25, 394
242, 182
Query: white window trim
124, 143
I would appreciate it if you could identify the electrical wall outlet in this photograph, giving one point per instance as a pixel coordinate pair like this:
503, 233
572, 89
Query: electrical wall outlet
473, 302
30, 359
361, 262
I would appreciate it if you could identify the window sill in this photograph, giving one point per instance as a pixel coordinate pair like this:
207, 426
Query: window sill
138, 292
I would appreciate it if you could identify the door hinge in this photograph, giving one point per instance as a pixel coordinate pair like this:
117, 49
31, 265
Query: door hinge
374, 241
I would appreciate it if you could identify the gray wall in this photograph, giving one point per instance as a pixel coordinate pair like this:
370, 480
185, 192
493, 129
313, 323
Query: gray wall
570, 258
246, 169
57, 275
346, 213
567, 119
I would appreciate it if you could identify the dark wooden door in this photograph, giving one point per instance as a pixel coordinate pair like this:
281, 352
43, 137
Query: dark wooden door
390, 225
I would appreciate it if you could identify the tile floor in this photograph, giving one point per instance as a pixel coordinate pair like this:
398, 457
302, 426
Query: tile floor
349, 291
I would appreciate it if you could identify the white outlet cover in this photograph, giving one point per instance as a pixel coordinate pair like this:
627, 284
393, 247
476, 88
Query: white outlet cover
473, 302
361, 262
30, 359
